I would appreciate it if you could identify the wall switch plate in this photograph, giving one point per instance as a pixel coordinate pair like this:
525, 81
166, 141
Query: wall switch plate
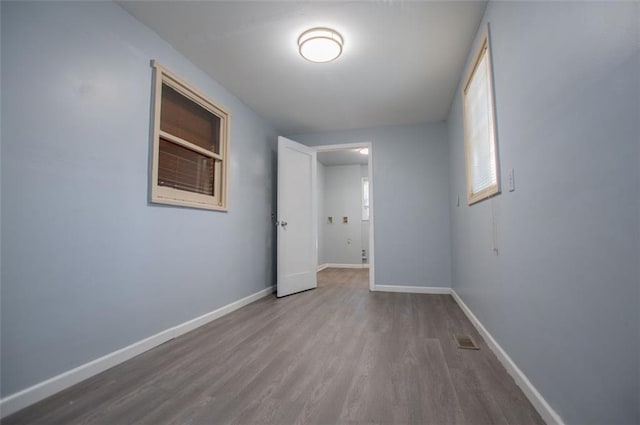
511, 180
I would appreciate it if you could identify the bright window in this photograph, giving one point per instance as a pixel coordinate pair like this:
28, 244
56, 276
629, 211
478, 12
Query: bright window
365, 198
481, 151
191, 145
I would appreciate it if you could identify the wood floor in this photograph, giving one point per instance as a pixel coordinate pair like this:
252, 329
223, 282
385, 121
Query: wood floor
334, 355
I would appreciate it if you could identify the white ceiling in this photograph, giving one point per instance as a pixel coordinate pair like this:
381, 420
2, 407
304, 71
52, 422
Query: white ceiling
401, 61
343, 157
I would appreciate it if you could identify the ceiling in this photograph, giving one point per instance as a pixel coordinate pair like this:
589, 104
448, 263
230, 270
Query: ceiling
401, 61
342, 157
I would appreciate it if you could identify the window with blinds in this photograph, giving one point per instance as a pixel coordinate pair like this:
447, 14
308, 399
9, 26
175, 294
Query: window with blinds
479, 128
191, 144
365, 198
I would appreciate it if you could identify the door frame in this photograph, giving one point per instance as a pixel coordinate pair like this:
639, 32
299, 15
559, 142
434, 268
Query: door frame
353, 146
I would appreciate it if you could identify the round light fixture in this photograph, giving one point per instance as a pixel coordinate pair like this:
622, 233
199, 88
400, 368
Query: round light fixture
320, 45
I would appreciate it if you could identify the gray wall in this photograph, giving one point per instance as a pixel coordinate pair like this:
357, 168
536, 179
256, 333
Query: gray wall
562, 295
88, 265
341, 197
410, 181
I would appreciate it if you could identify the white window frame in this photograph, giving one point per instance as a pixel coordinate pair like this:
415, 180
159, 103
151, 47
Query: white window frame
172, 196
366, 201
493, 189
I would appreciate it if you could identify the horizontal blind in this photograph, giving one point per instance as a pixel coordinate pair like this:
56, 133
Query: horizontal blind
183, 118
479, 127
184, 169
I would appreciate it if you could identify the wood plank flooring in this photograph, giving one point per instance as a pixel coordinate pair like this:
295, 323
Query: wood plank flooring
334, 355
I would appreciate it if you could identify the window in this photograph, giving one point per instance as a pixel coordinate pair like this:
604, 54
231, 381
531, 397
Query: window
481, 153
365, 198
190, 145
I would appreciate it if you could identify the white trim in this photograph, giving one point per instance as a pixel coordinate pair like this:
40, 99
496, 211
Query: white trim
322, 267
344, 266
44, 389
413, 289
544, 409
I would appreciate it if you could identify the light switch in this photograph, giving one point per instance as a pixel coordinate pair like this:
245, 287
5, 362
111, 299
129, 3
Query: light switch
511, 180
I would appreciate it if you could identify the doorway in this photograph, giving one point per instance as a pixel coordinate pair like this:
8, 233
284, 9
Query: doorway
344, 202
297, 219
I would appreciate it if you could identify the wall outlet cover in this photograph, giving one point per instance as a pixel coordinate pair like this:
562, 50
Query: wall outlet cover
511, 180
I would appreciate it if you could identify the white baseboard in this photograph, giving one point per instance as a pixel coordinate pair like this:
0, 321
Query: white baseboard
42, 390
548, 414
344, 266
322, 267
413, 289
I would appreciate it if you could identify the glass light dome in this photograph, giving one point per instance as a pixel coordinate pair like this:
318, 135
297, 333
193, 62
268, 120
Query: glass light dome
320, 45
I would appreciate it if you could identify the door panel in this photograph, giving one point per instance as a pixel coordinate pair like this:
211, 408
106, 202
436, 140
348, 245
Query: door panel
297, 230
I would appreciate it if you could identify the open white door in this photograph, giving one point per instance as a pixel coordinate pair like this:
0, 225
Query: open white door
297, 218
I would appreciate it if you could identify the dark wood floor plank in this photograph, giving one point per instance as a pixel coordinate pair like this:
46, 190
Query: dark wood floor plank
336, 354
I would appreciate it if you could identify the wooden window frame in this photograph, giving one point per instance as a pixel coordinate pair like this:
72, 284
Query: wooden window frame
172, 196
483, 49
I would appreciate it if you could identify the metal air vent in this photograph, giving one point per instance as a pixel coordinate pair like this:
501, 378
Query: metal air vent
465, 342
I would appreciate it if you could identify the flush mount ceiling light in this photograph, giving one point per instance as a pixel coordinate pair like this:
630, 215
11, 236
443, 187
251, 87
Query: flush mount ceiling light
320, 45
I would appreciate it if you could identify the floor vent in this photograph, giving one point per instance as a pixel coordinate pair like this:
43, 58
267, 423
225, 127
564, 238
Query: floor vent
465, 342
